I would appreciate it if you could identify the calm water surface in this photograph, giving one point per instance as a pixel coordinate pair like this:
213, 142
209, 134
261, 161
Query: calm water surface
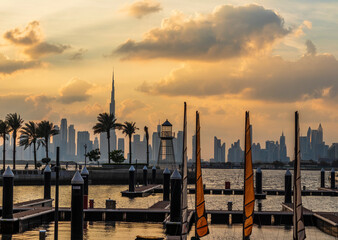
213, 178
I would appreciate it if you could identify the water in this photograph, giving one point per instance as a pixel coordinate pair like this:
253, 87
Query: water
213, 178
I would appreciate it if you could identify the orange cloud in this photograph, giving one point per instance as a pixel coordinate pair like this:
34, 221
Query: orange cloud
76, 90
8, 66
142, 8
225, 33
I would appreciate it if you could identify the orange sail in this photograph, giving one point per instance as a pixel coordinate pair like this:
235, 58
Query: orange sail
201, 228
298, 221
249, 194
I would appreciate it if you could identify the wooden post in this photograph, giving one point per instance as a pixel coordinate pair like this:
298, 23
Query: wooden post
145, 176
288, 183
175, 201
166, 184
132, 179
77, 207
259, 181
322, 178
85, 176
7, 194
47, 173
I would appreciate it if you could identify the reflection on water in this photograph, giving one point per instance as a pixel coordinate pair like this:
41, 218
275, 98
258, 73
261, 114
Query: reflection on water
123, 230
213, 178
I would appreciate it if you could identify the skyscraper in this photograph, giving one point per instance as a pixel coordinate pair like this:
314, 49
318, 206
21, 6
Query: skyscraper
63, 133
156, 144
219, 150
282, 149
82, 140
71, 142
120, 145
103, 136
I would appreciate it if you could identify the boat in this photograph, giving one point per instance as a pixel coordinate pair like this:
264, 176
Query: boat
298, 220
249, 192
201, 222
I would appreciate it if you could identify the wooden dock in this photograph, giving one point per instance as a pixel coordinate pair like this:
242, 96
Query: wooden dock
142, 191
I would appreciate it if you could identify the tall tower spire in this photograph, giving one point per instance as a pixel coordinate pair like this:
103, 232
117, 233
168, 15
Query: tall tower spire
112, 100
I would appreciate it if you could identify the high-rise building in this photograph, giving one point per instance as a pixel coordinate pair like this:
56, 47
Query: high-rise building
83, 138
193, 155
103, 136
63, 134
96, 143
120, 145
71, 142
179, 147
282, 149
219, 150
235, 152
156, 144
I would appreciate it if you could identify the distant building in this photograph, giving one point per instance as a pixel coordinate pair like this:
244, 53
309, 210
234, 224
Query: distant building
155, 144
120, 145
193, 158
219, 150
63, 134
312, 147
96, 143
83, 138
235, 153
71, 142
333, 152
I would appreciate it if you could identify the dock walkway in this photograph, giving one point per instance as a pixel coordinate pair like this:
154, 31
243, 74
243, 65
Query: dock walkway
142, 191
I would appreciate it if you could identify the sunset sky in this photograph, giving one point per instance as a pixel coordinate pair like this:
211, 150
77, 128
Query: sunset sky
222, 57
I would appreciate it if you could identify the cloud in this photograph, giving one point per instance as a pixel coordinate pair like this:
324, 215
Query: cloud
142, 8
129, 106
30, 35
225, 33
8, 66
30, 38
78, 55
32, 107
265, 78
76, 90
310, 48
45, 48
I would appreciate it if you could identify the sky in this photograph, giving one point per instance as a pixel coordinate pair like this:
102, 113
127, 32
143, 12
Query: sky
222, 57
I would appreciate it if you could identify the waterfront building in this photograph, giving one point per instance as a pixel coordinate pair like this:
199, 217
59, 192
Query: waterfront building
71, 142
235, 153
166, 156
333, 152
63, 135
83, 138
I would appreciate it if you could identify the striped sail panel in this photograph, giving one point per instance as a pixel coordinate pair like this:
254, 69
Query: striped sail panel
201, 217
249, 194
298, 221
184, 178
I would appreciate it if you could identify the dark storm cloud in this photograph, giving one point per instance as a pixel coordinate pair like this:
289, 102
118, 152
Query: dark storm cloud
227, 32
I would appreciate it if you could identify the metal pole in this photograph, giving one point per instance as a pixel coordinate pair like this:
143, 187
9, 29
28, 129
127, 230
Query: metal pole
145, 176
85, 176
7, 194
322, 178
56, 216
259, 181
132, 179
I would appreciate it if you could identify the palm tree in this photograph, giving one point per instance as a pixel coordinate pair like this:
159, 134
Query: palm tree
4, 130
129, 128
106, 122
29, 136
14, 122
45, 130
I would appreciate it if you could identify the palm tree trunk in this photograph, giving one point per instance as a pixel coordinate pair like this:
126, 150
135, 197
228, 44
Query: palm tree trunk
34, 150
108, 137
129, 149
46, 141
4, 153
14, 148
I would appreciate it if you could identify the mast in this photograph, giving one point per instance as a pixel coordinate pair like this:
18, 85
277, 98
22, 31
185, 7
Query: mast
201, 222
249, 194
184, 198
298, 222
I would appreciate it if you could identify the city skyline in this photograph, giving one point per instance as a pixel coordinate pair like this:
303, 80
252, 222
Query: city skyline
54, 71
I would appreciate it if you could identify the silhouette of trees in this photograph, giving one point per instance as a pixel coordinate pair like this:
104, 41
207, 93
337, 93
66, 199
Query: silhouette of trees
105, 123
45, 130
94, 155
129, 128
117, 156
4, 130
29, 135
15, 122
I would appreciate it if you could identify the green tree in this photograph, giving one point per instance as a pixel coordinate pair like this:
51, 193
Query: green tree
4, 130
105, 123
45, 160
14, 122
94, 155
29, 136
117, 156
129, 128
45, 130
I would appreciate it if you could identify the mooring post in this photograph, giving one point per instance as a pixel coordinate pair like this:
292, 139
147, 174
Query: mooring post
322, 178
85, 176
153, 175
175, 203
145, 176
77, 207
47, 174
166, 184
56, 212
333, 179
132, 179
7, 194
259, 181
288, 188
42, 235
